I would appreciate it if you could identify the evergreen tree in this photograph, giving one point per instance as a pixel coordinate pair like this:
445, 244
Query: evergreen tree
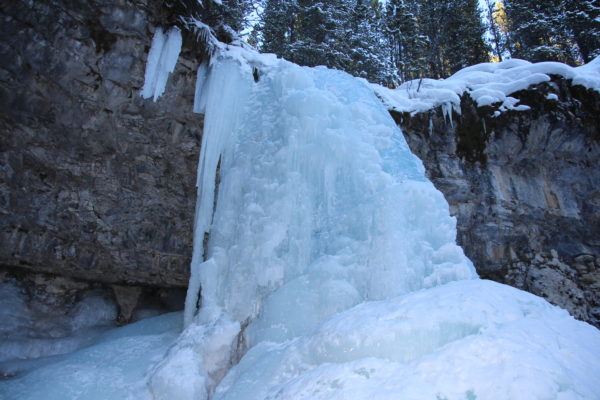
497, 28
278, 28
539, 31
320, 34
339, 34
463, 42
431, 19
234, 13
406, 44
583, 19
368, 52
455, 32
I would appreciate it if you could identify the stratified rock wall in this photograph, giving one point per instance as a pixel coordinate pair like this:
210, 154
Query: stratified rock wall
95, 182
525, 188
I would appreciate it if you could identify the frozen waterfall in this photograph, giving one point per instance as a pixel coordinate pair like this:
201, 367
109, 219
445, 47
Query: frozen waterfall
328, 265
324, 267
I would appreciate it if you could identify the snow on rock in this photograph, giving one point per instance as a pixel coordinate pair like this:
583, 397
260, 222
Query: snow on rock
486, 83
161, 61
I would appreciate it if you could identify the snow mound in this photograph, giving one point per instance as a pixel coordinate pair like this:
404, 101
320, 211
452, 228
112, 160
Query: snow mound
486, 83
470, 339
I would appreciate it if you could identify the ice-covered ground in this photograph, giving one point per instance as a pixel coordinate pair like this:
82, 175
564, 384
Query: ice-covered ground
31, 331
331, 269
486, 83
114, 367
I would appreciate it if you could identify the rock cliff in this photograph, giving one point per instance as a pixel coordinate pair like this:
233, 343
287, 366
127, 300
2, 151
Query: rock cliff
525, 188
95, 182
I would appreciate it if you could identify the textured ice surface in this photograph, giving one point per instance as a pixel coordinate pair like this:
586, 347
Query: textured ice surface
28, 330
470, 339
161, 61
487, 83
320, 206
331, 264
115, 367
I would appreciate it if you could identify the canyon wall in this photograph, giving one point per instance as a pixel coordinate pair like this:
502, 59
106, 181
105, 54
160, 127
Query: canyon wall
96, 183
525, 188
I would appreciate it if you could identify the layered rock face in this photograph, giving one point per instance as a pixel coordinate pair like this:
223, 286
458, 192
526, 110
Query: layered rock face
525, 188
95, 182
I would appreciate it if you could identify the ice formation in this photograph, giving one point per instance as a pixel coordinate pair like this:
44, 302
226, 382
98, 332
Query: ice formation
324, 267
486, 83
29, 332
114, 367
328, 266
161, 61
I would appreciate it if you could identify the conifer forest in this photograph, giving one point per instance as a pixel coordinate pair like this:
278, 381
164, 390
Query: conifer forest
393, 41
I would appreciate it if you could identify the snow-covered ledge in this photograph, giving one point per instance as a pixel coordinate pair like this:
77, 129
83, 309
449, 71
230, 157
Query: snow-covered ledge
487, 84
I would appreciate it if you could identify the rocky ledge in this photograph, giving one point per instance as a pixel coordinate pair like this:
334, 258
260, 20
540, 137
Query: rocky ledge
525, 188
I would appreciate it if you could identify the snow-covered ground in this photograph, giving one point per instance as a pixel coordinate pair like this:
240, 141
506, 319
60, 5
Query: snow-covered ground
331, 271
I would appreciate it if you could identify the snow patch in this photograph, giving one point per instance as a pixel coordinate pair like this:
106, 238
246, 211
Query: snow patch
487, 84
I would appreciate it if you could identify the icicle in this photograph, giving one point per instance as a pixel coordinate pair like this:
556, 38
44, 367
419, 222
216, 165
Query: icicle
158, 42
430, 125
192, 297
162, 59
447, 112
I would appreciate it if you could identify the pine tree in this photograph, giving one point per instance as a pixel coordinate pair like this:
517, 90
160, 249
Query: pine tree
339, 34
405, 42
279, 21
454, 32
539, 31
320, 34
583, 19
368, 53
431, 19
463, 43
496, 26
